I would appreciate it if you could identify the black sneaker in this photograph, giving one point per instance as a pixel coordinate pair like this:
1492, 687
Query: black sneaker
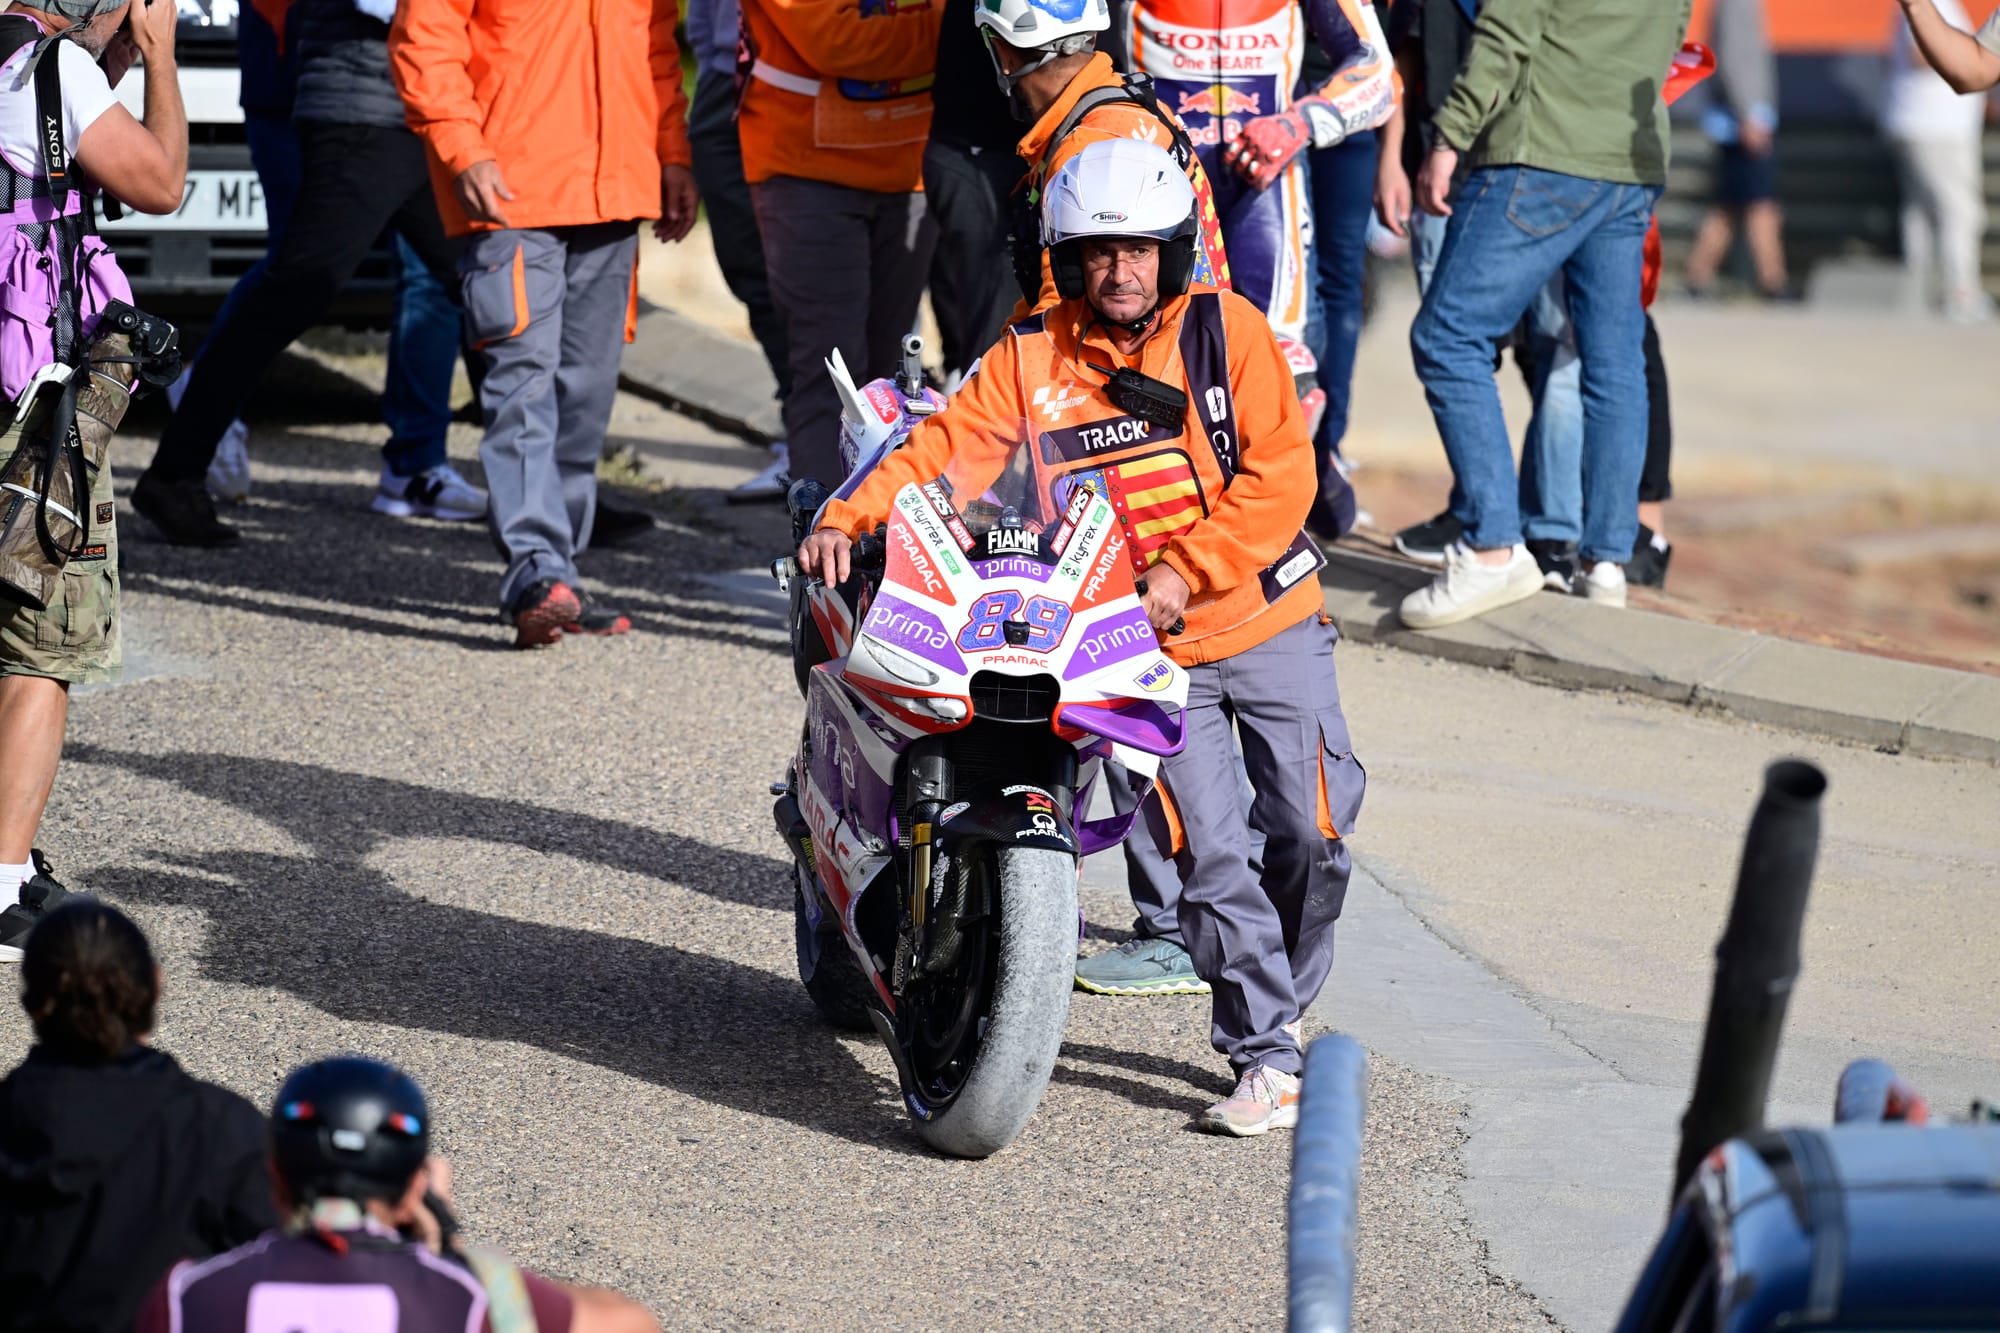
1427, 542
542, 612
39, 896
183, 511
616, 527
1557, 561
1648, 566
594, 618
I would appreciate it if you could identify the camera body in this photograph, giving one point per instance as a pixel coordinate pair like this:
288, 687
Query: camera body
155, 344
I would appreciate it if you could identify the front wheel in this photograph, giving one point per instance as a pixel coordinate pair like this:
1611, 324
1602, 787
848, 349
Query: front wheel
984, 1041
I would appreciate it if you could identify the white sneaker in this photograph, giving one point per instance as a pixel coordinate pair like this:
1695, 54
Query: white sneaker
436, 493
229, 471
1265, 1099
771, 483
1467, 588
1603, 583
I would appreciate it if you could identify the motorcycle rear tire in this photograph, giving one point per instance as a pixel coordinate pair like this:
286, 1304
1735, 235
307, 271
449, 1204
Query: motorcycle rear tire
1030, 1007
832, 977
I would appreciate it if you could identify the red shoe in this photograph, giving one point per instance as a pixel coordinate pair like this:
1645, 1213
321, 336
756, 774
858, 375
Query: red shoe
543, 611
592, 618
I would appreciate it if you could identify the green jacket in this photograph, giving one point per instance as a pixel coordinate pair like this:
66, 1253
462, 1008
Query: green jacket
1567, 85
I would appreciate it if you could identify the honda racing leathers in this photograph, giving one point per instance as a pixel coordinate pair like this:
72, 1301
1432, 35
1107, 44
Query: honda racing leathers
1228, 69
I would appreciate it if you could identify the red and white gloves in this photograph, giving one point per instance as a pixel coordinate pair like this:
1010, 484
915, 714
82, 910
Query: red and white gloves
1268, 144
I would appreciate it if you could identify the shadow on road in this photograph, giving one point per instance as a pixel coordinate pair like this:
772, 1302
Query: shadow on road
313, 553
334, 932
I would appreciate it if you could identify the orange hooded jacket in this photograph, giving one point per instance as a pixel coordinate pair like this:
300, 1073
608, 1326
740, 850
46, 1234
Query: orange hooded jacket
579, 101
839, 91
1113, 120
1223, 535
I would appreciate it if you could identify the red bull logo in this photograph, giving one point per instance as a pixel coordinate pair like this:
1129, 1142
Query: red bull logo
1219, 99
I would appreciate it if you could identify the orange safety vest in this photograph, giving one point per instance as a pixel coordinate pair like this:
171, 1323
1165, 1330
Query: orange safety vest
1160, 481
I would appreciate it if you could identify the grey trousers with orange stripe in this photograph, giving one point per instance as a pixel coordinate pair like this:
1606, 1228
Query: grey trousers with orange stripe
1264, 942
548, 308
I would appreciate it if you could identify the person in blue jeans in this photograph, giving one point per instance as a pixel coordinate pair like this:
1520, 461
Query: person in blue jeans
1565, 143
426, 328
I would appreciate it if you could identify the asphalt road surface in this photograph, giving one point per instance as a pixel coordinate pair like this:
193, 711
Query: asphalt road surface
547, 884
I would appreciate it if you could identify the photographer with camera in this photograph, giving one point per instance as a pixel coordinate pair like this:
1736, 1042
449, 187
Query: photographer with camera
372, 1246
59, 561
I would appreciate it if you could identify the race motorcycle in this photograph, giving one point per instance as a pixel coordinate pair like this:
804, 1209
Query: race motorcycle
986, 703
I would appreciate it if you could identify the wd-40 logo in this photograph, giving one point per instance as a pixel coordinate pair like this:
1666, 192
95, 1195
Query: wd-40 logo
1155, 677
1012, 541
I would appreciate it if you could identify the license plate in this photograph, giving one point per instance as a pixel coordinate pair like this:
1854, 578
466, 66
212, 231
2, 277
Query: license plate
213, 201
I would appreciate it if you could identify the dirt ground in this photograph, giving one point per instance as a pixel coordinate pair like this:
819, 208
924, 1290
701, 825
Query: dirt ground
1798, 565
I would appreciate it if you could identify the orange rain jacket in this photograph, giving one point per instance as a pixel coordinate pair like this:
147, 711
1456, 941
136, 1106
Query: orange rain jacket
839, 91
579, 101
1225, 536
1113, 120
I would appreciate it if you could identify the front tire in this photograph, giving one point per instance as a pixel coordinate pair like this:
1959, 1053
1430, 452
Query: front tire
1034, 946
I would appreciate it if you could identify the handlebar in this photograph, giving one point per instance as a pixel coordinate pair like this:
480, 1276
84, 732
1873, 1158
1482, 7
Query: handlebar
1180, 622
869, 555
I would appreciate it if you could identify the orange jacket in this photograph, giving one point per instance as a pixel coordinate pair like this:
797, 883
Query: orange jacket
1222, 535
579, 101
839, 90
1114, 120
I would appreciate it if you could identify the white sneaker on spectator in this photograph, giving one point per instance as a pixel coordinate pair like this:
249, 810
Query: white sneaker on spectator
1603, 583
771, 483
1468, 587
437, 492
229, 471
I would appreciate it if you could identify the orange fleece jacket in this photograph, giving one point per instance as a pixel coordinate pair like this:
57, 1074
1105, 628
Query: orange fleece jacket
885, 48
1249, 524
579, 101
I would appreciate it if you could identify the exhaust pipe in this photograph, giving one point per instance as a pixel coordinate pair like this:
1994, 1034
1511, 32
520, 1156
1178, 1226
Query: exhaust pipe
1756, 965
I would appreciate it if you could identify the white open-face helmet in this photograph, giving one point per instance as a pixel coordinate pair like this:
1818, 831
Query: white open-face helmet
1053, 27
1120, 188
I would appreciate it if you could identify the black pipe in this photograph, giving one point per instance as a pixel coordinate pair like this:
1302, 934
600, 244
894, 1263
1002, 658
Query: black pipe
1756, 964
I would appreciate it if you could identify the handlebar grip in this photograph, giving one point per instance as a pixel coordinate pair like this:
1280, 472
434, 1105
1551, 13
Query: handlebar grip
1180, 622
871, 552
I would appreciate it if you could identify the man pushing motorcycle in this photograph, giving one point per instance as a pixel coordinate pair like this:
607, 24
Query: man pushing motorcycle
1174, 401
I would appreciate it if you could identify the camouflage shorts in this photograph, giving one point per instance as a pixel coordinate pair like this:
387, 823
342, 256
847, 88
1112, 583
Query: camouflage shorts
76, 638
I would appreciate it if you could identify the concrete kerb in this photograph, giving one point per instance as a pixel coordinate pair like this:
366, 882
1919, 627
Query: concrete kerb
1566, 641
700, 373
1552, 640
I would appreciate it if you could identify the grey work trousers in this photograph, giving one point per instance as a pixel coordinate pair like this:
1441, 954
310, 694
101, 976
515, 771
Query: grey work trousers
1265, 943
1151, 877
847, 270
547, 308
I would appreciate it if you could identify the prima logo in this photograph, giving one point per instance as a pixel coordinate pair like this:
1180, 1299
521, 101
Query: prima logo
894, 625
1118, 636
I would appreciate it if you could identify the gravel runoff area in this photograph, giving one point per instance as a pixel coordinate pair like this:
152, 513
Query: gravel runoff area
352, 819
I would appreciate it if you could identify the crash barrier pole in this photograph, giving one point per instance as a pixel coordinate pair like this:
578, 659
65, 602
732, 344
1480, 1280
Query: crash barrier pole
1326, 1180
1756, 964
